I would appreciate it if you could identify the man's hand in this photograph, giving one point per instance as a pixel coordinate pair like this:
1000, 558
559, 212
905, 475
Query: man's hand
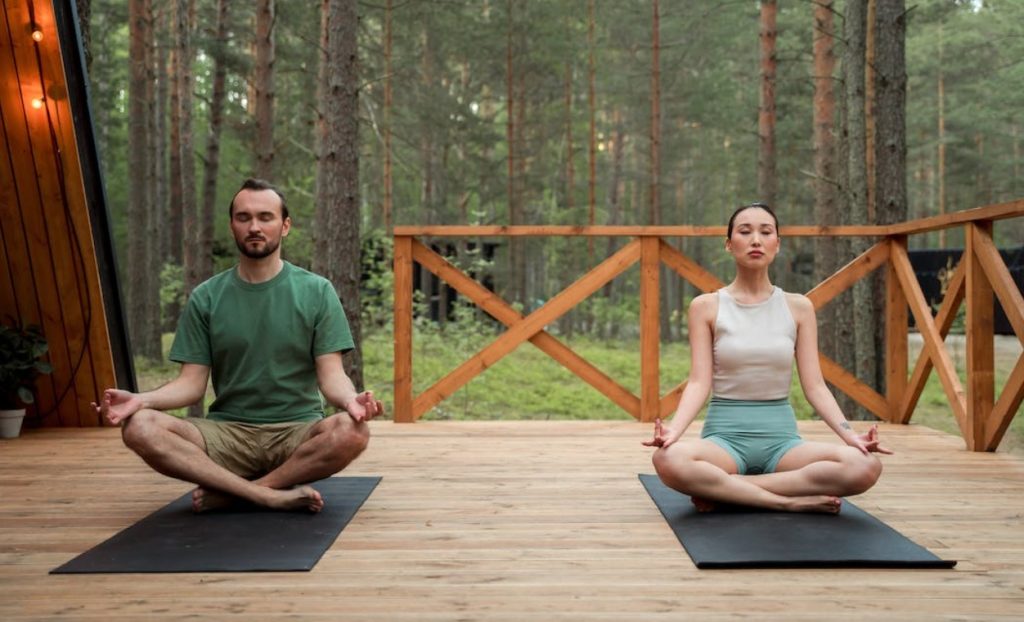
363, 407
117, 405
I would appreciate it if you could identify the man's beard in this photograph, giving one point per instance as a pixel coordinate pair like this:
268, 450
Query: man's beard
268, 248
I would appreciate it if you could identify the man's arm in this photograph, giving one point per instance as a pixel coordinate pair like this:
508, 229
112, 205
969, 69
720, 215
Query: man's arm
339, 391
188, 388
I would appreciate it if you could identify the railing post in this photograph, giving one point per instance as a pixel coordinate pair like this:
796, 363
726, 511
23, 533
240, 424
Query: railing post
403, 329
650, 328
980, 338
895, 337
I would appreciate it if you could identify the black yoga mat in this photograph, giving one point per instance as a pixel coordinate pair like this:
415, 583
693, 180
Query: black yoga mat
175, 539
753, 538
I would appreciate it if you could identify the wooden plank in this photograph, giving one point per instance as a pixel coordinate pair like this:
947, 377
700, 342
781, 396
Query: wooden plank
896, 357
29, 203
650, 328
403, 330
509, 521
504, 313
1001, 280
97, 339
932, 338
1006, 407
681, 231
852, 386
980, 329
865, 263
515, 335
944, 319
689, 269
999, 211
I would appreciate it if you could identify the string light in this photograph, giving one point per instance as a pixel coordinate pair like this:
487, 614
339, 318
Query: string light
37, 103
37, 34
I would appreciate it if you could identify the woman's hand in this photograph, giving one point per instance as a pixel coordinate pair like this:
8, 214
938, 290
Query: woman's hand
663, 436
870, 443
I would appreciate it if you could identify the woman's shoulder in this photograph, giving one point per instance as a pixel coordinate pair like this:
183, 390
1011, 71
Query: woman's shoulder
799, 304
704, 305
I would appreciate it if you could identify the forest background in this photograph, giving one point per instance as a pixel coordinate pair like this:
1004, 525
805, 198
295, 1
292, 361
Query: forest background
394, 112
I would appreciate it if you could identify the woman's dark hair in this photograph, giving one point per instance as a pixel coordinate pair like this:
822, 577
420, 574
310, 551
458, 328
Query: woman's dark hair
764, 206
258, 184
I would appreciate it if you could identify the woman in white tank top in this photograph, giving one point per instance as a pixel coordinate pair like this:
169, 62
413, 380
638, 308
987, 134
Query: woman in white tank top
743, 340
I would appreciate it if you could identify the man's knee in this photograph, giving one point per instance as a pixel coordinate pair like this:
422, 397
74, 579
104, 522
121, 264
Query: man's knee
139, 430
346, 437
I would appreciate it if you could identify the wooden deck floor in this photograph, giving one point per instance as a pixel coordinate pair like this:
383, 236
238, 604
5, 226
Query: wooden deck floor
508, 521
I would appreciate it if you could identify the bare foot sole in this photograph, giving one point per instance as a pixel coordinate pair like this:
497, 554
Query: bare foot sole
204, 500
824, 504
703, 505
299, 499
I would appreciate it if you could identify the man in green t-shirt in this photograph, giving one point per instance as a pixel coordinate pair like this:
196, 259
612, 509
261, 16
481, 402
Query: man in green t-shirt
271, 334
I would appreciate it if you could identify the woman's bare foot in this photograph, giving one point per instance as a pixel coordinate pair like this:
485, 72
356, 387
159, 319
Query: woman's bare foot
703, 505
824, 504
204, 500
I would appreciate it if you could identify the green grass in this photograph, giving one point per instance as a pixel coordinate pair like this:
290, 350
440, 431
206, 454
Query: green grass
528, 384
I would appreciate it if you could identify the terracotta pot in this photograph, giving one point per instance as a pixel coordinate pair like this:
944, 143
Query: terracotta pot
10, 422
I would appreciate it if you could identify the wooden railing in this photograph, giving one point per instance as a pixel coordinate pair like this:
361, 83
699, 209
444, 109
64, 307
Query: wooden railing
981, 272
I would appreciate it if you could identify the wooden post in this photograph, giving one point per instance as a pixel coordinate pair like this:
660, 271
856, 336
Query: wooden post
980, 341
403, 330
895, 337
650, 335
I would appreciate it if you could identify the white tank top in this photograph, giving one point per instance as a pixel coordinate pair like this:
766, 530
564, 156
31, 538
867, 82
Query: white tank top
753, 348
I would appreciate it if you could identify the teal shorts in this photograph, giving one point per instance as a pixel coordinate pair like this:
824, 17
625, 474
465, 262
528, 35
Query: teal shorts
756, 434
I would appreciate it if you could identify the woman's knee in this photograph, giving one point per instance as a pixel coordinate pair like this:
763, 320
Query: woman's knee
863, 473
673, 466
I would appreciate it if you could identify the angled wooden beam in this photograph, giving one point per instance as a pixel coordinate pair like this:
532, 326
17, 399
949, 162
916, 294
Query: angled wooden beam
689, 269
523, 330
943, 321
650, 327
980, 329
669, 231
403, 330
1002, 281
852, 386
999, 211
1005, 407
504, 313
868, 261
896, 356
932, 338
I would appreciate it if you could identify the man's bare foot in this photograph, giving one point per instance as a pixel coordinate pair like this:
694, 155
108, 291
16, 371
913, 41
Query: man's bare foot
824, 504
703, 505
204, 500
301, 498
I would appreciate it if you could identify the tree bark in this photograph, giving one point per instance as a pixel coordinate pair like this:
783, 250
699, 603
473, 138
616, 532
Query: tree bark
212, 164
592, 138
337, 177
388, 102
654, 214
263, 83
826, 208
766, 176
855, 198
941, 86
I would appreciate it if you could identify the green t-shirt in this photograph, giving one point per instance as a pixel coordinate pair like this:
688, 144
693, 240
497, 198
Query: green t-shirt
260, 341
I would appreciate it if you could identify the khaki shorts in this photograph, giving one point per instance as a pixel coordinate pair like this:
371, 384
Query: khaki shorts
251, 450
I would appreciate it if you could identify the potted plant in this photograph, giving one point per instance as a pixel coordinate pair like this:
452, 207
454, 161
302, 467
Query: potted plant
20, 351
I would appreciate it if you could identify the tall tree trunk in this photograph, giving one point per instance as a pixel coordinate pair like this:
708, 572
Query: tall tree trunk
869, 106
337, 178
855, 196
140, 99
183, 116
615, 189
162, 226
891, 148
388, 102
592, 137
766, 177
263, 83
942, 137
212, 161
654, 214
514, 244
570, 171
826, 200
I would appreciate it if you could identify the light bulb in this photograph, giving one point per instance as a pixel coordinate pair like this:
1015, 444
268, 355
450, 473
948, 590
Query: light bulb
37, 35
37, 103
